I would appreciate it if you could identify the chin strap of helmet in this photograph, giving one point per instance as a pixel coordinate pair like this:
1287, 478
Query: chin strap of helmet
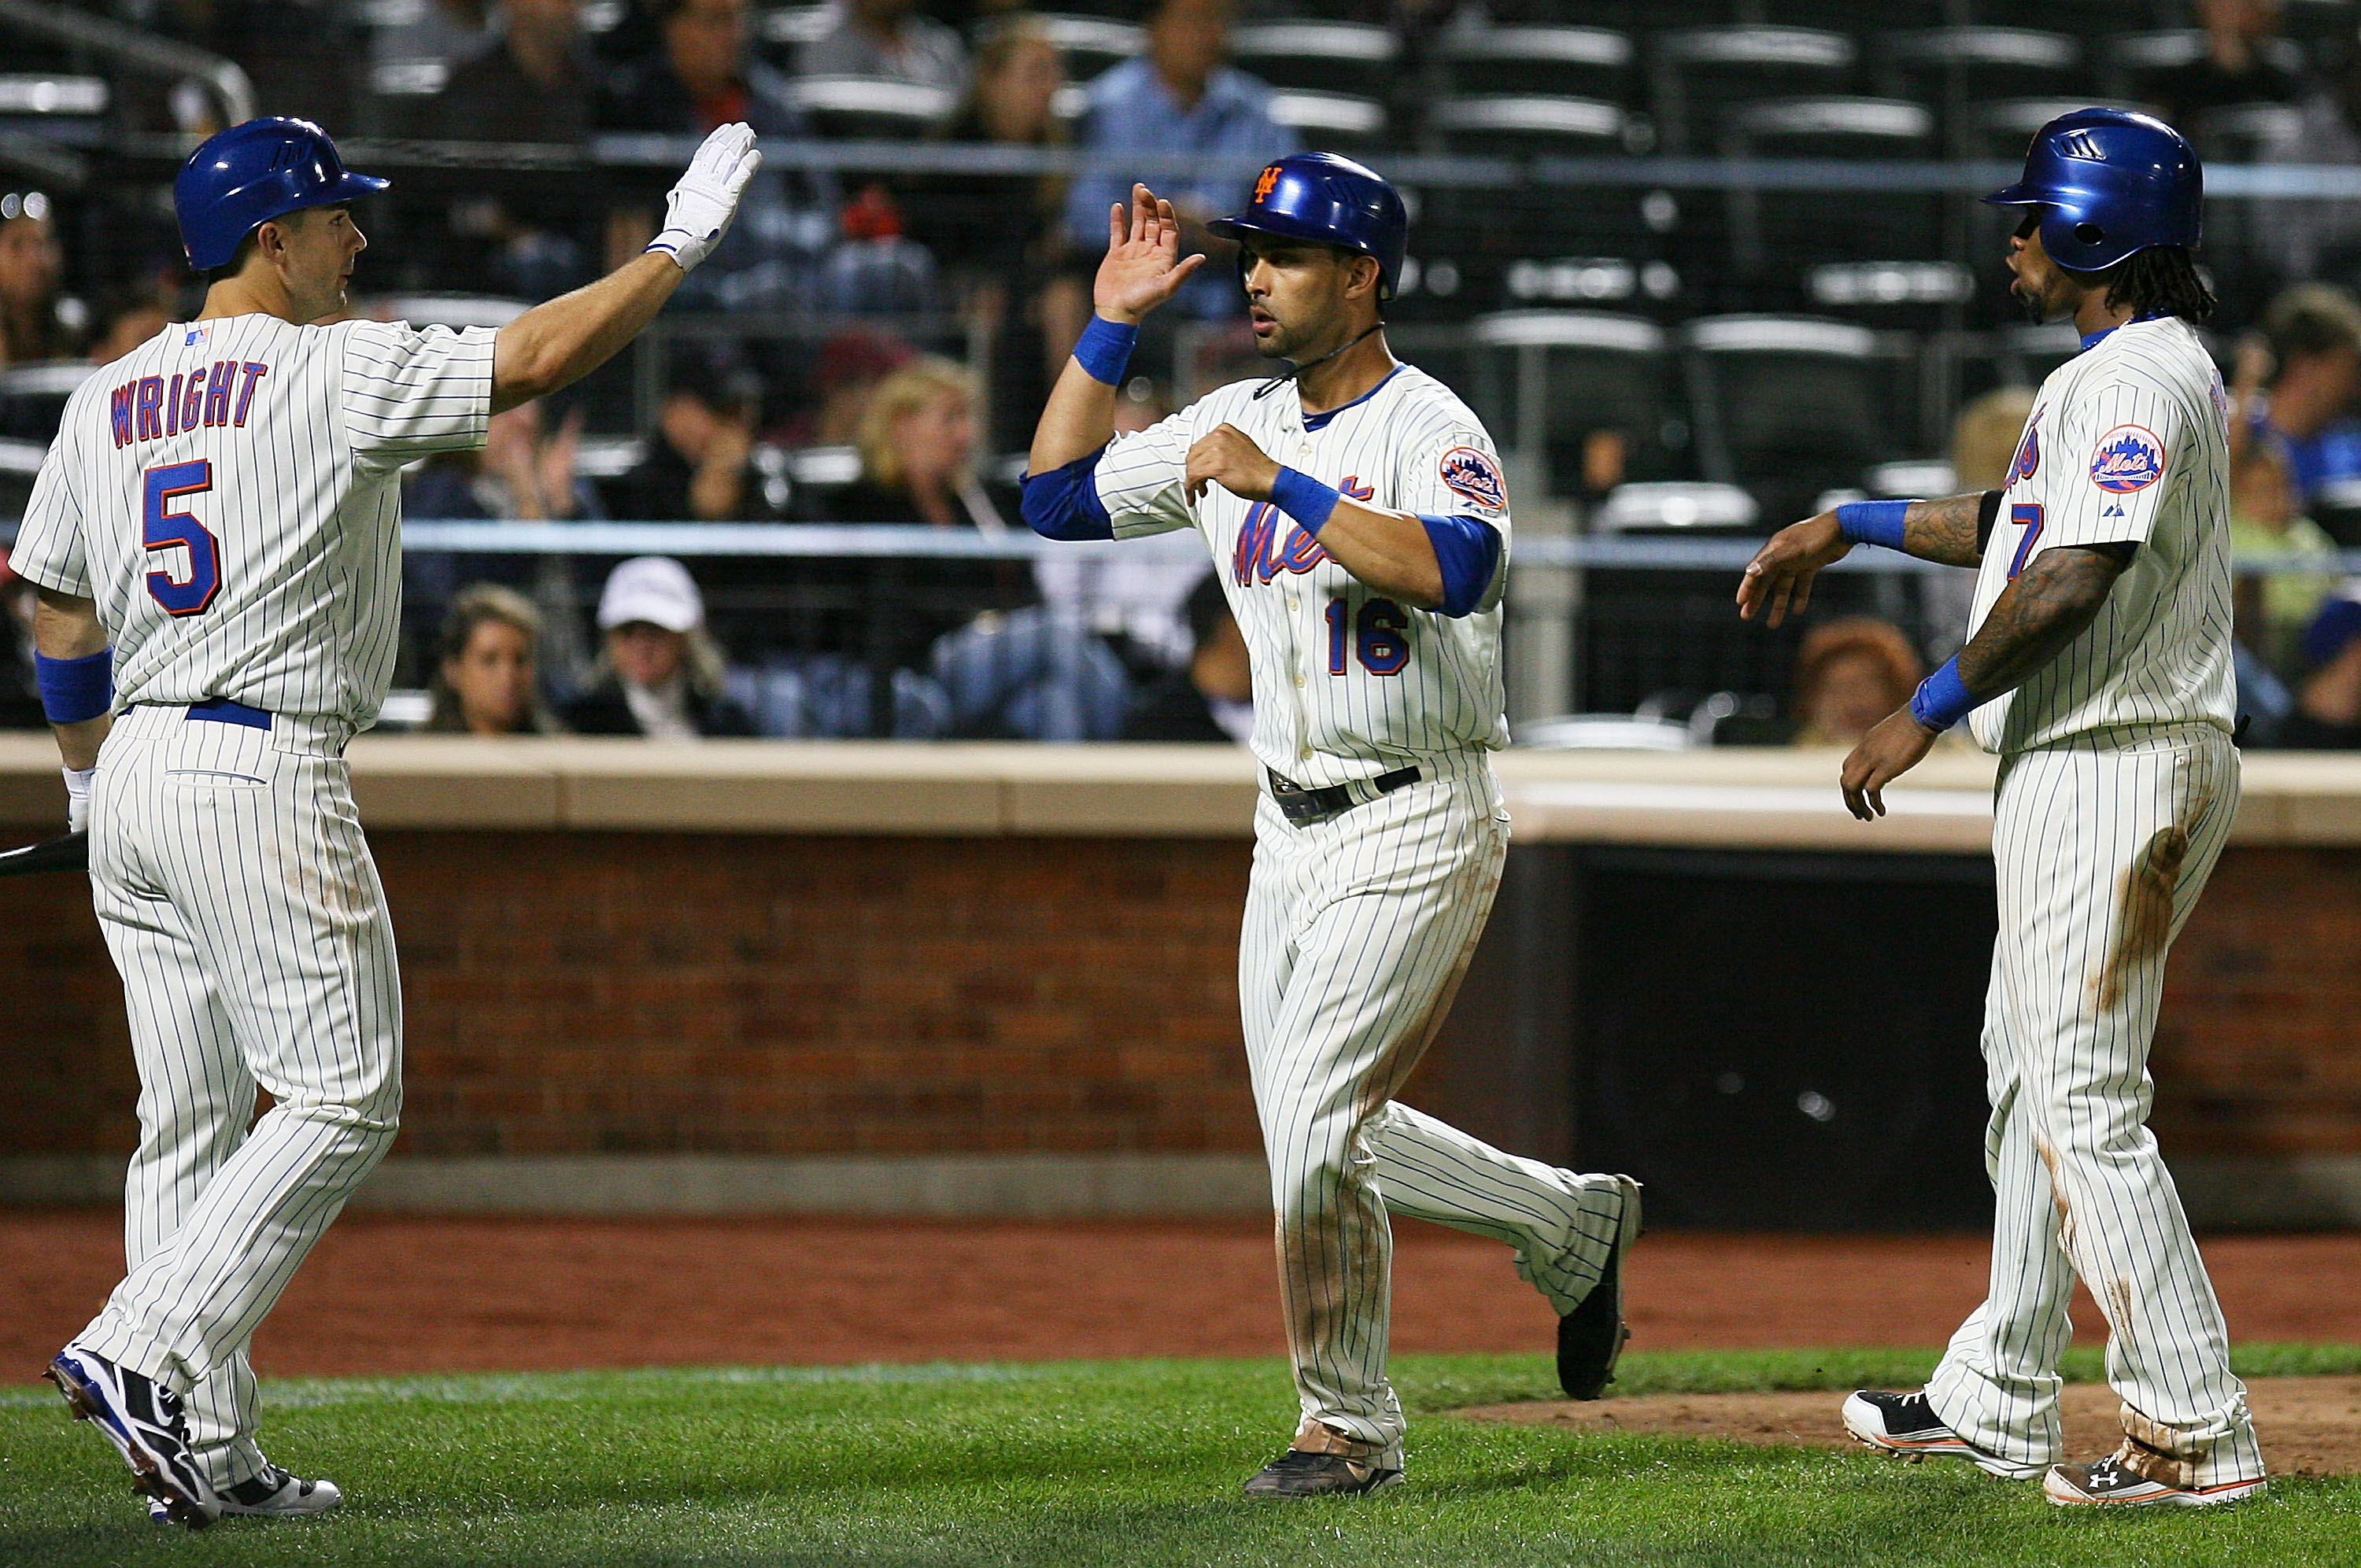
1294, 370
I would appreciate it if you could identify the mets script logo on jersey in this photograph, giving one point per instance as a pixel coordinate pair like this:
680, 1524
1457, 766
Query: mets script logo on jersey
1260, 556
1475, 478
2129, 457
2029, 451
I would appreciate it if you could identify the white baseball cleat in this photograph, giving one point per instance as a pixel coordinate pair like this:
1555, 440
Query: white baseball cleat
273, 1494
145, 1424
2113, 1483
1906, 1426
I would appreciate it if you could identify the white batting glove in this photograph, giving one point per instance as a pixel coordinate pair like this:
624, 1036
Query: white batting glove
698, 213
78, 797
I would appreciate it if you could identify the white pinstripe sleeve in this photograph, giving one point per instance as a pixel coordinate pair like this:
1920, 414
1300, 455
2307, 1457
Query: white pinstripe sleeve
2125, 437
48, 548
408, 392
1457, 473
1141, 479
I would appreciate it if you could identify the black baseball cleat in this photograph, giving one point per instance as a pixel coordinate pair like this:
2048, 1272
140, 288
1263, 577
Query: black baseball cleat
1590, 1339
273, 1494
1906, 1426
2113, 1483
145, 1424
1296, 1473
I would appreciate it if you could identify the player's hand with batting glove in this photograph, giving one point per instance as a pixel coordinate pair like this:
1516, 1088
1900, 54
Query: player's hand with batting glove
78, 799
1227, 456
1779, 578
1144, 266
698, 210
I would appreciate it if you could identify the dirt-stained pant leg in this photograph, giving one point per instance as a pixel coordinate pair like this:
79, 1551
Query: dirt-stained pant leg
2103, 850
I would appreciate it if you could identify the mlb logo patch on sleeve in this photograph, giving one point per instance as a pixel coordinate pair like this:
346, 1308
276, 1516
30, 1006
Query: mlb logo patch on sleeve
2129, 457
1474, 477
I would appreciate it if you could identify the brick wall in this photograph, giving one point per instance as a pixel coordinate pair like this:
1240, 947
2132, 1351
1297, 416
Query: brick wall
585, 993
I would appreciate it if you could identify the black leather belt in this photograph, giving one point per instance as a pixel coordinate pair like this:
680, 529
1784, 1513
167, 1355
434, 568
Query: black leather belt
1304, 807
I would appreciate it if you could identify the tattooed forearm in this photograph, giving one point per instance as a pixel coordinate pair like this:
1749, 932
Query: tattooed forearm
1945, 530
2049, 604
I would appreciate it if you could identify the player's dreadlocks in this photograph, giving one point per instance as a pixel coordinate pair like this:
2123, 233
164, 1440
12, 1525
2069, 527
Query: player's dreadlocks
2161, 280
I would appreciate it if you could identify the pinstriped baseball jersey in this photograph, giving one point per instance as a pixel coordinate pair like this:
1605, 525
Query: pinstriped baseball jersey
1347, 683
2129, 441
229, 493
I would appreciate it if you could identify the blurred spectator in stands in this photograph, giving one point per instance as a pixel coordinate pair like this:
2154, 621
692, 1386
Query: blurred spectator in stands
918, 440
1983, 444
1179, 98
20, 693
889, 39
37, 322
661, 673
487, 681
1212, 696
517, 475
2297, 382
532, 84
873, 270
705, 78
2328, 703
998, 238
1849, 674
851, 362
2234, 67
700, 468
131, 319
2266, 524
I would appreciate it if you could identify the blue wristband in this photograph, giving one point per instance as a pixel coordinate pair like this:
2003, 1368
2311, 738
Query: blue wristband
1943, 699
1105, 348
74, 690
1303, 497
1873, 522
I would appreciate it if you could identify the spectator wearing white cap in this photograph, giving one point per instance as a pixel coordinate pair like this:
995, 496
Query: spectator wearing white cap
660, 675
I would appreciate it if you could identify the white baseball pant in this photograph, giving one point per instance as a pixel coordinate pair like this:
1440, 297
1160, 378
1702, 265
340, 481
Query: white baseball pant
1357, 931
243, 913
2102, 846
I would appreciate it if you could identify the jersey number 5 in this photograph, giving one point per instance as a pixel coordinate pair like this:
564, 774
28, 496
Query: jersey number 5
1381, 641
162, 527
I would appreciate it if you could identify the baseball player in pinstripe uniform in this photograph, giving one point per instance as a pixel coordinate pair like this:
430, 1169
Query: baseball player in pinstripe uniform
1359, 526
217, 539
2099, 667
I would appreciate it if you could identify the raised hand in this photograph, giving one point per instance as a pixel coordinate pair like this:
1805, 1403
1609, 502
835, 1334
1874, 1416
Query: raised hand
1780, 576
699, 210
1144, 266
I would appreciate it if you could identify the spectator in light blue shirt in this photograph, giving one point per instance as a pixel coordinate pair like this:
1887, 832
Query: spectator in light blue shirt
1178, 98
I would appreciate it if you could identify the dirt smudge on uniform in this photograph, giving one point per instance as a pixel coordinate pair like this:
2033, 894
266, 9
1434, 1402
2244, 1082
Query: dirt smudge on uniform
2145, 897
2056, 1193
2162, 1454
2119, 1298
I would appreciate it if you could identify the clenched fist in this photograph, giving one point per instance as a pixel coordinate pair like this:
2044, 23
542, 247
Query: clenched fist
1228, 458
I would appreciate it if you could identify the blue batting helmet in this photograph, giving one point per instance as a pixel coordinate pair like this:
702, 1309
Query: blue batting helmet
2113, 183
1334, 201
251, 173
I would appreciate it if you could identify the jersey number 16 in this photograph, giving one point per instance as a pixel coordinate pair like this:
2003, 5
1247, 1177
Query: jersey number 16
162, 528
1380, 637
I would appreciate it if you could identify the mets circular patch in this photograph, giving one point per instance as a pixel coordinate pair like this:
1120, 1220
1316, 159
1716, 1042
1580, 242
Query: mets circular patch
1474, 477
2129, 457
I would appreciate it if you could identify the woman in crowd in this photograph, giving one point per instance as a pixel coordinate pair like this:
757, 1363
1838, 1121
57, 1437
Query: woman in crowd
1849, 673
487, 681
660, 675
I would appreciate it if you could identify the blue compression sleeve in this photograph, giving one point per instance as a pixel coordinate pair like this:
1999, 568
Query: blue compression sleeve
1873, 522
74, 690
1303, 497
1943, 699
1064, 504
1468, 550
1105, 348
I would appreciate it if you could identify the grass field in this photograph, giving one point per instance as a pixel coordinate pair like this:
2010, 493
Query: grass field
1128, 1463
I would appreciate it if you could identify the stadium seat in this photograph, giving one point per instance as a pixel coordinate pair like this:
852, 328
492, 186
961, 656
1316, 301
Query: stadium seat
1523, 122
867, 106
781, 32
2003, 128
1318, 55
1798, 226
1951, 67
1339, 120
1788, 406
2130, 62
1586, 61
1699, 71
1677, 506
1548, 383
1092, 44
